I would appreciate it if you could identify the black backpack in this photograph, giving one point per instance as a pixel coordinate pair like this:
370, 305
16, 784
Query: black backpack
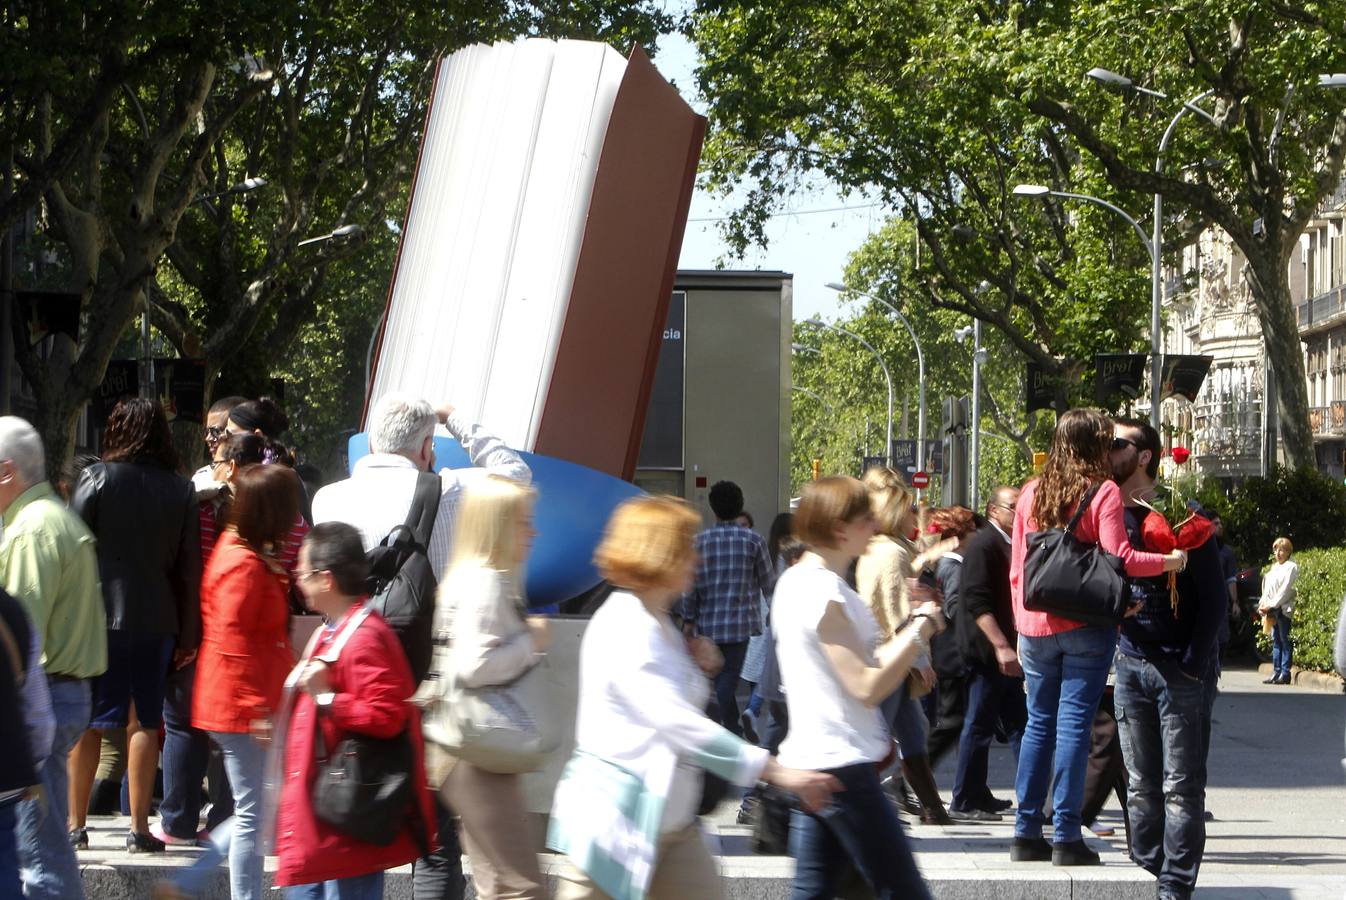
402, 583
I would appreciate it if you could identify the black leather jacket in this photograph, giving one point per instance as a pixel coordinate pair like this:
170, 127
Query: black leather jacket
148, 528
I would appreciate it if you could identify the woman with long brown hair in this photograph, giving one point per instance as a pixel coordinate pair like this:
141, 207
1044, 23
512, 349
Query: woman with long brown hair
1066, 663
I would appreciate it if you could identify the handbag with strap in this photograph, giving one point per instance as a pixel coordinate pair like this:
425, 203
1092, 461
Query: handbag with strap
1067, 577
365, 787
507, 728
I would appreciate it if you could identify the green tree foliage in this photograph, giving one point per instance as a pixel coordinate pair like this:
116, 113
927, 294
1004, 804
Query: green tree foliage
1304, 505
126, 125
941, 108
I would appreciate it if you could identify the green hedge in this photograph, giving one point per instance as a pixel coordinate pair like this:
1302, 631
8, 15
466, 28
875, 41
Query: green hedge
1304, 505
1318, 597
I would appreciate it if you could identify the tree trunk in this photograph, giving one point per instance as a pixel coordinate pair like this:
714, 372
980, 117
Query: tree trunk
1280, 334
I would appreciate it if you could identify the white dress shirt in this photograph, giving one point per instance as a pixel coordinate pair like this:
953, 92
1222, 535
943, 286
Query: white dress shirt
378, 495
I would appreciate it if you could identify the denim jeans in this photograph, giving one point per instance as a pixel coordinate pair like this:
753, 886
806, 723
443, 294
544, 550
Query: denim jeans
1281, 648
906, 722
773, 723
50, 870
10, 885
1066, 674
357, 887
726, 684
858, 827
235, 838
186, 761
439, 876
1160, 713
992, 698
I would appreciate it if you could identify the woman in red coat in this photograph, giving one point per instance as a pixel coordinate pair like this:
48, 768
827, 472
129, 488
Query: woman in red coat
240, 671
356, 680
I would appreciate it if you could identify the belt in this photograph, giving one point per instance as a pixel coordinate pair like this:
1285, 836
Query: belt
61, 679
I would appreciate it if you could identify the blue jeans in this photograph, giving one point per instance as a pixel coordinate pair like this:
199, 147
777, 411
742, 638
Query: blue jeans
10, 885
992, 698
1066, 674
185, 761
235, 838
858, 827
358, 887
50, 870
1281, 649
906, 722
726, 684
1160, 717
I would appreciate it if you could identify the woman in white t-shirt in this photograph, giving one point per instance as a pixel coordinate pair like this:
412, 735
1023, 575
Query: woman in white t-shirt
837, 672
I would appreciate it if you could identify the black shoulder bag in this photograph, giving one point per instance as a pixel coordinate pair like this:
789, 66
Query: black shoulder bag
365, 787
1068, 578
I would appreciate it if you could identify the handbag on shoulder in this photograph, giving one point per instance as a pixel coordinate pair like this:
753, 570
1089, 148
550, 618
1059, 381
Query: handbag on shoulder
1067, 577
508, 728
364, 787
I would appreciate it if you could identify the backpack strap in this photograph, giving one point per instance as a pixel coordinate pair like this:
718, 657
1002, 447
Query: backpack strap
1080, 510
424, 507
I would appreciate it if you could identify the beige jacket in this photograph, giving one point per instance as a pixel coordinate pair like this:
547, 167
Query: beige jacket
881, 580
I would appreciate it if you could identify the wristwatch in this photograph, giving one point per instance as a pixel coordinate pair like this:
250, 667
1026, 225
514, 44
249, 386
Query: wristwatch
324, 699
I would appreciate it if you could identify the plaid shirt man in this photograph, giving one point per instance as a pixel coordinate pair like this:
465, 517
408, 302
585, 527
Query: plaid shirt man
734, 571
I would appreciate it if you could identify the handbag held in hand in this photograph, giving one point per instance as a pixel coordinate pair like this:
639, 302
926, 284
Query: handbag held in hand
1066, 577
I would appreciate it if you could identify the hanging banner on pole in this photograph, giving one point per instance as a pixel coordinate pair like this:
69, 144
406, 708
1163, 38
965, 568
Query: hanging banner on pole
1039, 388
904, 457
1183, 376
1118, 373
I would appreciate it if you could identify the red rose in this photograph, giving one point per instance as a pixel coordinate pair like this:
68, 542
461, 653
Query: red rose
1180, 455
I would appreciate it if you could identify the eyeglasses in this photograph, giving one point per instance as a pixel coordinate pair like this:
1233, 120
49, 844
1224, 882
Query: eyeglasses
214, 434
1121, 443
1008, 506
216, 462
306, 574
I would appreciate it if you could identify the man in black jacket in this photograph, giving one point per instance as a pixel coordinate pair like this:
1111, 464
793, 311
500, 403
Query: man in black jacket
1167, 656
987, 640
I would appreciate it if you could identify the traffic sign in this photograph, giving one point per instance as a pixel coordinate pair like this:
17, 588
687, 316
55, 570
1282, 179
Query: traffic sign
920, 480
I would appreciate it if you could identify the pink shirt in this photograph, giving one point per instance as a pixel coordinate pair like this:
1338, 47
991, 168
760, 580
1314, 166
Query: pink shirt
1102, 524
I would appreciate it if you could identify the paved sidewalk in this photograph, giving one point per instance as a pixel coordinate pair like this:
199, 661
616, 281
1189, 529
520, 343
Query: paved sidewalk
1277, 790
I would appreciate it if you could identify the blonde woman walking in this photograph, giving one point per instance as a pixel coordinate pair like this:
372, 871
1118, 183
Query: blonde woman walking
493, 641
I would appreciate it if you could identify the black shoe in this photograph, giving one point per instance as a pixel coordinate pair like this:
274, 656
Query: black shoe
1284, 679
143, 843
1208, 816
1274, 679
1030, 850
749, 732
79, 838
996, 805
974, 815
1074, 853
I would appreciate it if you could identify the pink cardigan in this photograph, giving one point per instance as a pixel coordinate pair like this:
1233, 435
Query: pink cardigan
1102, 523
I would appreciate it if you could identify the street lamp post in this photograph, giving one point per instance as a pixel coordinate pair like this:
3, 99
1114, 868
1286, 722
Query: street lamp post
978, 357
817, 322
920, 377
1151, 247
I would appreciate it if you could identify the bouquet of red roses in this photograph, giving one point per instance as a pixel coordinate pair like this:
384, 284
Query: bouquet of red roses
1170, 526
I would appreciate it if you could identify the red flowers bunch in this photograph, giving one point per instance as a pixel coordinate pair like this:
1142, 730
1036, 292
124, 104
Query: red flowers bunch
1171, 526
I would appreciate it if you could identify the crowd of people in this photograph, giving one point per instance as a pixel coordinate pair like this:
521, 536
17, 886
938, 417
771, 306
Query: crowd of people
871, 636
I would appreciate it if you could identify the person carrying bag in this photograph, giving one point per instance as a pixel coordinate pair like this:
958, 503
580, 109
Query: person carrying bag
352, 801
484, 698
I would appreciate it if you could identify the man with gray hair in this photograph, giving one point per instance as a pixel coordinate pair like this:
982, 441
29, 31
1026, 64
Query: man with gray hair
377, 498
48, 563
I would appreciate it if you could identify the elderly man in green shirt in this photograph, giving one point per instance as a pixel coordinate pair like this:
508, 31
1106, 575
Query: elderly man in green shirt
48, 563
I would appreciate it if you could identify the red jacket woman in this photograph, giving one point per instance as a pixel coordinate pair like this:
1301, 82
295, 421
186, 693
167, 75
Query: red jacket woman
370, 685
245, 644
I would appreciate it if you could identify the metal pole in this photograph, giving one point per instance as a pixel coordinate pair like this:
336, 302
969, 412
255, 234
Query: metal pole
1156, 260
976, 413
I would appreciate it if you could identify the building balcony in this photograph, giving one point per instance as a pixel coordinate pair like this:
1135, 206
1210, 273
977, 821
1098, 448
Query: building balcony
1328, 421
1323, 311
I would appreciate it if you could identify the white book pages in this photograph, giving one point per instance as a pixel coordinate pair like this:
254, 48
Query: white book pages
495, 227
